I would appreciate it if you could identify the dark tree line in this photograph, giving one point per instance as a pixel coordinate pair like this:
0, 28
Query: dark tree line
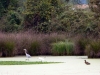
48, 16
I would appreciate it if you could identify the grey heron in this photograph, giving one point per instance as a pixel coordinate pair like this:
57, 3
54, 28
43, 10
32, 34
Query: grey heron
27, 55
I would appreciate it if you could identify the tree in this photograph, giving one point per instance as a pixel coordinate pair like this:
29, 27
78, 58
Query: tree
5, 3
13, 23
11, 18
13, 5
95, 5
1, 9
38, 14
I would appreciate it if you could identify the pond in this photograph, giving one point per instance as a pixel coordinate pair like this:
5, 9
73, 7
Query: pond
73, 65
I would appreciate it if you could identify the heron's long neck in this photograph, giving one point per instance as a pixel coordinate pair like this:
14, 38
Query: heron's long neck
25, 52
85, 61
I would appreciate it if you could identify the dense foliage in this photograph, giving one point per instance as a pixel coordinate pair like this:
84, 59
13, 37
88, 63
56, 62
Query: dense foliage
48, 16
38, 14
10, 15
12, 44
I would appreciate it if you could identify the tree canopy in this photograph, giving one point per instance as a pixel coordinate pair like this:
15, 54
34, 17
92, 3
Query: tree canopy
49, 16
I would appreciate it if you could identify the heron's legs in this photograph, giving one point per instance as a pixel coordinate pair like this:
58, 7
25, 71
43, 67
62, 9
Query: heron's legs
27, 59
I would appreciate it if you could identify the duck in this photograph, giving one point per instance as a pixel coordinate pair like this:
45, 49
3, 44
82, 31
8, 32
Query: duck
87, 63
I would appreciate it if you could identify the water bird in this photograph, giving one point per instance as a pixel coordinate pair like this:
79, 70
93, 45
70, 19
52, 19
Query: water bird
41, 59
87, 63
27, 55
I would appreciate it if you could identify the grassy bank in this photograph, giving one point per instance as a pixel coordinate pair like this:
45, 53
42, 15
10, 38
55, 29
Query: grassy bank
23, 63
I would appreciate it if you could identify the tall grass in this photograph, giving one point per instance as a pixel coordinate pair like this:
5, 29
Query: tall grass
69, 47
59, 48
52, 38
36, 44
12, 44
62, 48
80, 45
35, 48
93, 49
7, 48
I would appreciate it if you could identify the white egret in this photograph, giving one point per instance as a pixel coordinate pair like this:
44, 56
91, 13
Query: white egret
41, 59
27, 55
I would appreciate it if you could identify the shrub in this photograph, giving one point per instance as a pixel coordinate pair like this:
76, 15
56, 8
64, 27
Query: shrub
62, 48
26, 41
89, 52
48, 39
69, 47
80, 45
41, 43
21, 43
93, 48
59, 48
7, 48
47, 44
34, 48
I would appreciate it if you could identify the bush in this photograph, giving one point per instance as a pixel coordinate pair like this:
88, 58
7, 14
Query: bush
89, 52
47, 44
69, 47
59, 48
93, 49
36, 44
80, 45
62, 48
7, 48
35, 48
22, 43
48, 39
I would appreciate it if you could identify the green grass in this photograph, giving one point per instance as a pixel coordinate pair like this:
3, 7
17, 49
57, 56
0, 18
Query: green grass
24, 62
